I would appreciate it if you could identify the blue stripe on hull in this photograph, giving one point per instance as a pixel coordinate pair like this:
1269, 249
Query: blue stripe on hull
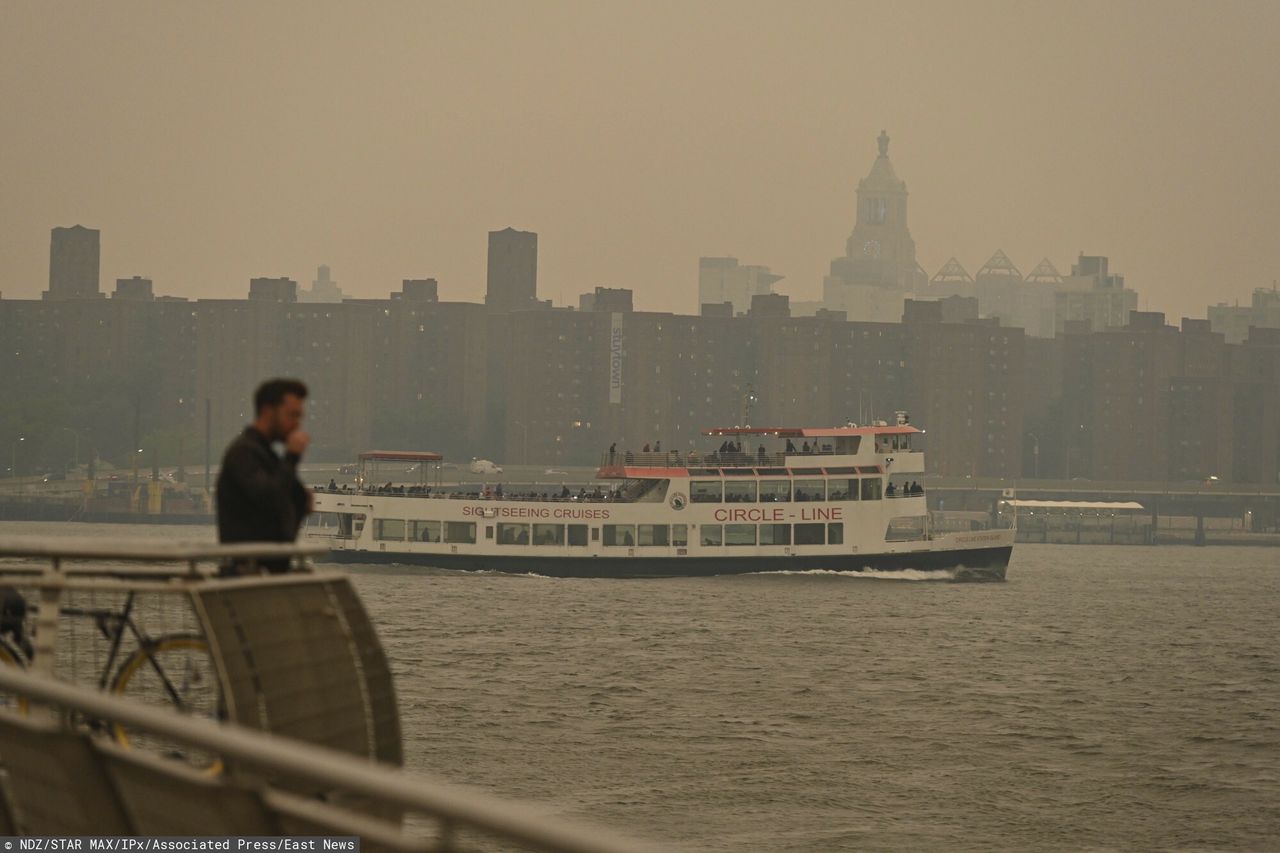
976, 563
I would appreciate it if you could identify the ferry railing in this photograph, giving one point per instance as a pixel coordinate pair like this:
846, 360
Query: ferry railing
714, 459
63, 780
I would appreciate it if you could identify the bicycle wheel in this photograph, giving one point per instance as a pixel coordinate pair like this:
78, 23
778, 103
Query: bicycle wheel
9, 656
175, 671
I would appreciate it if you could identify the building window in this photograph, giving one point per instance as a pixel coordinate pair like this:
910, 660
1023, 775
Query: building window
872, 489
835, 533
740, 492
578, 534
739, 534
712, 535
680, 535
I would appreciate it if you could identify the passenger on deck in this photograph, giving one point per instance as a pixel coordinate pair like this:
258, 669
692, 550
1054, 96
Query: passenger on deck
791, 446
760, 454
889, 491
645, 449
564, 492
613, 452
582, 493
916, 488
498, 492
657, 446
804, 448
333, 485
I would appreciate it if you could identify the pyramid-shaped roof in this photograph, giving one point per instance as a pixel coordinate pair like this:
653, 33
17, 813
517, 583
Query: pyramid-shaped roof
952, 271
999, 264
1045, 273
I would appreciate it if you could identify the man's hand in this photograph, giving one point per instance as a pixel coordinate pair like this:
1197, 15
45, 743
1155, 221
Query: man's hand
297, 442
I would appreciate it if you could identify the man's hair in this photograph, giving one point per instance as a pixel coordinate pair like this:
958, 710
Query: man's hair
272, 392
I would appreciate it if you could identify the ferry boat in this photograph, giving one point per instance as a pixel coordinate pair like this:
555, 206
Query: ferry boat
842, 499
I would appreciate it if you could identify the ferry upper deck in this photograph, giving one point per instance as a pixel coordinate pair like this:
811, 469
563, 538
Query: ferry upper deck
744, 453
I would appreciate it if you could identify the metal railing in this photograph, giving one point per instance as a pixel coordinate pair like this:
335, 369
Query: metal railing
454, 809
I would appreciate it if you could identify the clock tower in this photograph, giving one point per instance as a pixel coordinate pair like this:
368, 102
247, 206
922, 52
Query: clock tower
880, 252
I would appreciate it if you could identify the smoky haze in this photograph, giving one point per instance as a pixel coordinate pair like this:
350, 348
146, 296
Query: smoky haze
213, 143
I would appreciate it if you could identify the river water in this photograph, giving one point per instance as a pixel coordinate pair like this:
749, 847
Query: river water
1102, 698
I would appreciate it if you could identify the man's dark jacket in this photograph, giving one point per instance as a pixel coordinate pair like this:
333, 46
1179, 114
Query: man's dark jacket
260, 498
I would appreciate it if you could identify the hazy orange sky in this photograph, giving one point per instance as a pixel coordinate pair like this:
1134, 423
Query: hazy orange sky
215, 142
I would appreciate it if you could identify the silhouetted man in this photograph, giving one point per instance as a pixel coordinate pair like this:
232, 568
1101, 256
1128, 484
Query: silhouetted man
260, 498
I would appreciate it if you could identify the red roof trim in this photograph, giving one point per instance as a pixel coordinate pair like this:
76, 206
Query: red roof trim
400, 456
811, 432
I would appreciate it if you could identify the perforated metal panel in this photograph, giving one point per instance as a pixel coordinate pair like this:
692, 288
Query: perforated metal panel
163, 797
300, 658
57, 782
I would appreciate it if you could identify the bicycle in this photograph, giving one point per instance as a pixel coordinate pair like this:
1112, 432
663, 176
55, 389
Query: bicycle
176, 666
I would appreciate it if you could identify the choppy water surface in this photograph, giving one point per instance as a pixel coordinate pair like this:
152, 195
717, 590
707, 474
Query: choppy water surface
1103, 697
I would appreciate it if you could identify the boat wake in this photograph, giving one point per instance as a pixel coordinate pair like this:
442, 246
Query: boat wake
874, 574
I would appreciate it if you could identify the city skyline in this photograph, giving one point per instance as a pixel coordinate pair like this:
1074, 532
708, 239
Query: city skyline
269, 158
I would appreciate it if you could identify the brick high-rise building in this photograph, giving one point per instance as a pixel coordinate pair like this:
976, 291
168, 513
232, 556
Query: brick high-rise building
74, 255
513, 270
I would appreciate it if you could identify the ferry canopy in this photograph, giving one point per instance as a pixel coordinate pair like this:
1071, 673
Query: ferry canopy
818, 432
399, 456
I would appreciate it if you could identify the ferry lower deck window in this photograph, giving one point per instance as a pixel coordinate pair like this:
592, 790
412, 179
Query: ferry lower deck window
810, 534
835, 533
652, 534
680, 535
548, 534
388, 529
712, 534
462, 532
510, 533
704, 491
739, 534
810, 490
577, 534
775, 491
424, 531
740, 492
842, 489
775, 534
872, 489
620, 534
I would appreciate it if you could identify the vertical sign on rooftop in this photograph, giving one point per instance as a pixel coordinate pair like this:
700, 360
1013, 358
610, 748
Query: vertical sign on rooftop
615, 359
